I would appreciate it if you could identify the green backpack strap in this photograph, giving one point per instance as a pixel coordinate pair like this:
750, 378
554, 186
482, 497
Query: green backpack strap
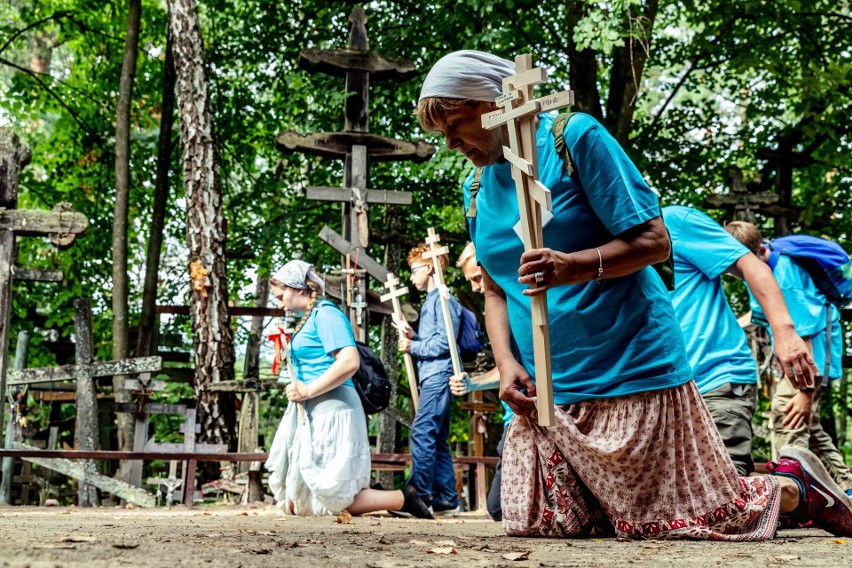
665, 268
474, 189
557, 129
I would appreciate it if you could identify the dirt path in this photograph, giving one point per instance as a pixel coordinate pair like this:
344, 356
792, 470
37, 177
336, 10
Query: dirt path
251, 537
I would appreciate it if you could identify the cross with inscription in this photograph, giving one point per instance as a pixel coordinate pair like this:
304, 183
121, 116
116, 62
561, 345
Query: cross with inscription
518, 113
357, 148
61, 225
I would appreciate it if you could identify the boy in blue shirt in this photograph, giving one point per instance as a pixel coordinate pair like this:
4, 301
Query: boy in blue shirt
722, 364
795, 414
432, 471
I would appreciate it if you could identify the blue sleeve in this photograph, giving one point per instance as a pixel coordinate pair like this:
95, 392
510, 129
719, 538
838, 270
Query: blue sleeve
703, 243
804, 301
613, 185
334, 330
433, 341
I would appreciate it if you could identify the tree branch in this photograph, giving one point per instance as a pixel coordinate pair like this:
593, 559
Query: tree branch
56, 16
50, 91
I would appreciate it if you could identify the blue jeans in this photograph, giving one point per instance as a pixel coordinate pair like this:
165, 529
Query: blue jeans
492, 503
432, 463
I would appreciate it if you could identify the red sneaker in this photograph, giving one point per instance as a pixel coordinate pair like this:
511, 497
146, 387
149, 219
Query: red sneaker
824, 502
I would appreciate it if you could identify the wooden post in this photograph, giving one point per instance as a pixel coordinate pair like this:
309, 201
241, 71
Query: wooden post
393, 295
21, 352
248, 427
444, 293
13, 157
518, 112
189, 466
86, 421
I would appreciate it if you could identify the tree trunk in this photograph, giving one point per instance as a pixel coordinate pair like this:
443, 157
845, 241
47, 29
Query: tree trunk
386, 431
251, 368
626, 75
583, 69
147, 322
119, 226
211, 335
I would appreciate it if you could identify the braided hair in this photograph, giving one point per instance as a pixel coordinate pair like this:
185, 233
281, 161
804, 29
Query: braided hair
314, 289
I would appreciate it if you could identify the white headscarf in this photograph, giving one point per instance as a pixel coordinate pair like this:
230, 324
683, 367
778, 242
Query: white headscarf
467, 74
296, 273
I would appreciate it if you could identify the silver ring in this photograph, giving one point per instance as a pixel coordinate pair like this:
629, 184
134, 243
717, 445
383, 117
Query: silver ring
539, 277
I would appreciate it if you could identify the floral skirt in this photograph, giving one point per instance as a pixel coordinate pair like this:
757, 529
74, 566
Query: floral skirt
652, 464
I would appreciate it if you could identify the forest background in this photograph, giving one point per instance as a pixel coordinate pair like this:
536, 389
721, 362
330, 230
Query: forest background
688, 88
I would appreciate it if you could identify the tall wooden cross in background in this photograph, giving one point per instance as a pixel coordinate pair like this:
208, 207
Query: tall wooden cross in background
356, 147
518, 113
62, 225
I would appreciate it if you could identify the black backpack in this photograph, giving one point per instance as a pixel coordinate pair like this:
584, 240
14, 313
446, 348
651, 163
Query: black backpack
470, 338
371, 380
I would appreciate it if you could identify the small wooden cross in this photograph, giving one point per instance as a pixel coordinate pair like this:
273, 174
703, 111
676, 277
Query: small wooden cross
518, 113
393, 295
434, 255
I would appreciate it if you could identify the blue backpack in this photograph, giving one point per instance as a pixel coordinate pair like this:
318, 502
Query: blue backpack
470, 338
825, 261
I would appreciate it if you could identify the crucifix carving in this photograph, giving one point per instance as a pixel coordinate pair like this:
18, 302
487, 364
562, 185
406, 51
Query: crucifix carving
399, 319
518, 113
62, 225
357, 148
743, 201
434, 254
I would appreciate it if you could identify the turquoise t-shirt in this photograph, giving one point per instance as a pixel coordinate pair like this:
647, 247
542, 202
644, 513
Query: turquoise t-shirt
610, 339
716, 345
807, 306
326, 331
508, 414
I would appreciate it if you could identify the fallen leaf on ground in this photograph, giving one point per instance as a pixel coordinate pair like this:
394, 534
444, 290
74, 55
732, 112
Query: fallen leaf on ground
444, 550
243, 514
516, 555
838, 541
78, 538
344, 517
123, 546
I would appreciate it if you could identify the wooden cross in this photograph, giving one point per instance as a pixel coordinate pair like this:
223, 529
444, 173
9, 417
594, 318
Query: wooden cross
61, 225
393, 295
518, 113
83, 372
434, 254
355, 145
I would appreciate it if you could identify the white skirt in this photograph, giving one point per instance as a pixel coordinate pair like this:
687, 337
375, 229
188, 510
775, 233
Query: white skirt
318, 465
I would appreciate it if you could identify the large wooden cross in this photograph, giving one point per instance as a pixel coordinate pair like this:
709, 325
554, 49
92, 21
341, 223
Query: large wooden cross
61, 225
83, 372
433, 255
399, 319
518, 114
356, 147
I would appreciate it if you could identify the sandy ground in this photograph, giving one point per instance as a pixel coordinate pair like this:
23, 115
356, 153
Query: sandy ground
261, 536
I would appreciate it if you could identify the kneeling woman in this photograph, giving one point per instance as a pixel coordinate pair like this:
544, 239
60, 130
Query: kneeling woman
320, 458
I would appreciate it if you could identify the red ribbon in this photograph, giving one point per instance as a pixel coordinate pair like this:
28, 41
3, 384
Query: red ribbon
278, 340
